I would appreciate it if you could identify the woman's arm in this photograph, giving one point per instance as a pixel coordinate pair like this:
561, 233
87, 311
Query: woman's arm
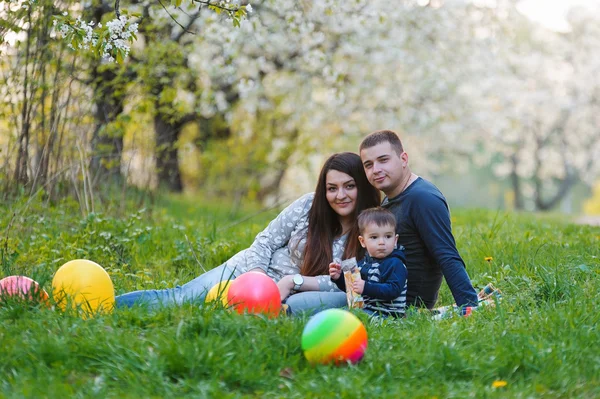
257, 270
317, 283
277, 234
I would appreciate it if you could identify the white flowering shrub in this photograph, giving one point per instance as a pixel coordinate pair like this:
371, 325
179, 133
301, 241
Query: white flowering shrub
234, 11
112, 40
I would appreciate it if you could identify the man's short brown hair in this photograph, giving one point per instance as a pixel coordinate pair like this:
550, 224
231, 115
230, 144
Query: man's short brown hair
382, 136
378, 215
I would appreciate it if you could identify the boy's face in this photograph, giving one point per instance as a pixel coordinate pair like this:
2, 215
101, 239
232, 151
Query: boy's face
379, 241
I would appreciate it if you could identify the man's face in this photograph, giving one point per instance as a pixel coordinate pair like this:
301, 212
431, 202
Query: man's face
385, 170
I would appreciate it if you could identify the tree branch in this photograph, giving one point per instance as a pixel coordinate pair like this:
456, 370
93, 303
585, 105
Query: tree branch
211, 4
187, 118
570, 176
185, 30
174, 19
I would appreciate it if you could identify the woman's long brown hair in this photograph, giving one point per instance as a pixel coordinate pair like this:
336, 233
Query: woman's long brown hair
324, 224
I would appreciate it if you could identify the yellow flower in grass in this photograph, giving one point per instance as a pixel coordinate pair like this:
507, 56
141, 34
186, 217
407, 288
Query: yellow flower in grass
488, 259
499, 384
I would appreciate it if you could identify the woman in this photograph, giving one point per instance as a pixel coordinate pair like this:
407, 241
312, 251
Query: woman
297, 246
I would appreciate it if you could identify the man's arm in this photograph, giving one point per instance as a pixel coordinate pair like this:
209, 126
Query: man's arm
432, 220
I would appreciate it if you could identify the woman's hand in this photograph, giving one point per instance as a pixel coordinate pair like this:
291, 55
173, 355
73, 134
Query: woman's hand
285, 285
358, 286
335, 270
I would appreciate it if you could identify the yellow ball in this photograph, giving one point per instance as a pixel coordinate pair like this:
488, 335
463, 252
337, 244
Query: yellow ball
218, 292
83, 284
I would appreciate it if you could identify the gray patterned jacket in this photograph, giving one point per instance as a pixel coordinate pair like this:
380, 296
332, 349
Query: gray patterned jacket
278, 249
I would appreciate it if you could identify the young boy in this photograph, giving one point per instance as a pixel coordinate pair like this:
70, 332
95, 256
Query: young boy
382, 271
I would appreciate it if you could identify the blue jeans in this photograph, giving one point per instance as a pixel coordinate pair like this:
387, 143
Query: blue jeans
194, 290
312, 302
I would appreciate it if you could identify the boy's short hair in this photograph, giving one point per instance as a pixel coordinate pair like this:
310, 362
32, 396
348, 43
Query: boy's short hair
382, 136
378, 215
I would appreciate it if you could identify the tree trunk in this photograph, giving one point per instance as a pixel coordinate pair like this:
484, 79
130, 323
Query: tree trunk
21, 176
563, 189
22, 163
47, 126
281, 166
570, 178
44, 168
107, 146
516, 183
167, 161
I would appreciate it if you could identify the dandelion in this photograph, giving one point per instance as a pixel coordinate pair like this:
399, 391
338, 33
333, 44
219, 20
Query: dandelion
488, 259
499, 384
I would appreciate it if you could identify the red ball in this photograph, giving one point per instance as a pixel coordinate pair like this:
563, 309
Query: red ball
256, 293
22, 288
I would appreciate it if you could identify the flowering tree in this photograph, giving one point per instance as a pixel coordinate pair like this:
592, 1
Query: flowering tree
104, 38
112, 39
535, 106
469, 82
266, 80
35, 108
317, 76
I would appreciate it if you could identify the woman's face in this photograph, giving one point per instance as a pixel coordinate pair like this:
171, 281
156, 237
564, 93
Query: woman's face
341, 192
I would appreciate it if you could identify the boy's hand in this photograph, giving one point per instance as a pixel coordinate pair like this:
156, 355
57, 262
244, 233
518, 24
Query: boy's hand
358, 286
335, 270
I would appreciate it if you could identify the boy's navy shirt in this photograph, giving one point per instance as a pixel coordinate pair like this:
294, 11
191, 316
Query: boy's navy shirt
391, 274
385, 283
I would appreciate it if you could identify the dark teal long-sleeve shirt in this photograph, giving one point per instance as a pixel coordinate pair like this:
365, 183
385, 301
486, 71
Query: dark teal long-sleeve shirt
424, 229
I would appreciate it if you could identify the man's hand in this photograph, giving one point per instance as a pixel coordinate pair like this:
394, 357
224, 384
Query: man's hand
358, 286
285, 285
335, 270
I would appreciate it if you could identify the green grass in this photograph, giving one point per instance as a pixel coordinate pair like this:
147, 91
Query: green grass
543, 339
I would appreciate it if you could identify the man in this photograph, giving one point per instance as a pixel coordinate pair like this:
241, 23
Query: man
423, 222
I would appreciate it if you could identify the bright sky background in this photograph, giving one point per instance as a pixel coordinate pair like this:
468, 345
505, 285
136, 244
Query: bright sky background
552, 13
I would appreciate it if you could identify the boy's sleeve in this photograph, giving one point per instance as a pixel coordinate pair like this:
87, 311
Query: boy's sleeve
392, 280
340, 282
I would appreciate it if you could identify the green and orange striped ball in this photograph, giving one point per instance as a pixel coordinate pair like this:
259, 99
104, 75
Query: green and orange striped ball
334, 336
